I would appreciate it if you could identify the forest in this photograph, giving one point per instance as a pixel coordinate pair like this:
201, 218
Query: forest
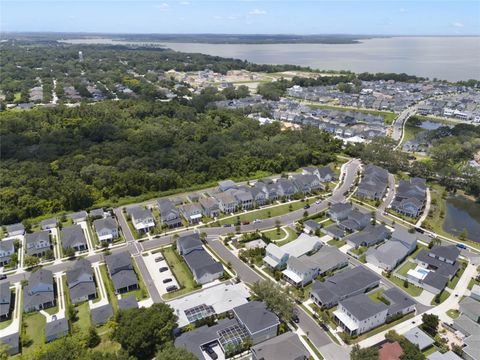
65, 159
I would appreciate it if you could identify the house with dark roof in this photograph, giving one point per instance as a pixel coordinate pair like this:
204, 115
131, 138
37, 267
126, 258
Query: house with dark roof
11, 342
7, 249
74, 237
226, 185
306, 183
142, 219
311, 226
226, 202
286, 188
48, 224
243, 196
259, 196
56, 329
169, 214
356, 220
335, 231
96, 213
81, 283
371, 235
122, 272
191, 212
286, 346
210, 206
374, 183
358, 314
106, 229
343, 285
129, 302
470, 307
203, 267
400, 303
410, 197
78, 216
324, 174
39, 293
339, 211
15, 229
5, 300
38, 243
260, 323
188, 243
101, 314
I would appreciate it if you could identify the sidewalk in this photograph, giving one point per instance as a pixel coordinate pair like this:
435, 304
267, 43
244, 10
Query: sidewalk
102, 292
426, 211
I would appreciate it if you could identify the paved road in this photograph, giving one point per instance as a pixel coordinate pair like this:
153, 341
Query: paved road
399, 123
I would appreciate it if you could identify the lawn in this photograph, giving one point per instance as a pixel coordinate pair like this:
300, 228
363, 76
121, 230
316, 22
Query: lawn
376, 296
452, 283
112, 298
5, 323
405, 267
53, 310
274, 235
134, 231
83, 323
430, 351
180, 271
33, 329
388, 116
292, 235
411, 132
141, 293
337, 243
443, 296
264, 213
453, 313
411, 289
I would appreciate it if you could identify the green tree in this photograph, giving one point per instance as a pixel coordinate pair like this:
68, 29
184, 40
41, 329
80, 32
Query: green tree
276, 298
430, 324
463, 235
92, 338
31, 261
358, 353
170, 352
141, 331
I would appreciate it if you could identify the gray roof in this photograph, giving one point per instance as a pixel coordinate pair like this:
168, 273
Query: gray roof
326, 170
108, 223
343, 284
81, 266
442, 268
139, 213
436, 280
48, 222
418, 337
327, 258
449, 355
335, 230
188, 242
5, 297
78, 215
101, 314
12, 342
389, 253
32, 239
209, 203
96, 212
201, 263
401, 234
15, 227
371, 235
6, 245
472, 347
82, 289
286, 346
398, 300
340, 207
255, 316
56, 328
312, 224
362, 307
129, 302
31, 299
450, 252
72, 236
466, 325
121, 270
471, 305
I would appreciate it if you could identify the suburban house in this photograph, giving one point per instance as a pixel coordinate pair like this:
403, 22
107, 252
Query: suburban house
97, 213
5, 300
259, 196
306, 183
142, 219
6, 251
252, 321
101, 314
78, 216
304, 269
356, 220
450, 355
244, 198
390, 351
169, 214
56, 329
311, 226
286, 188
369, 236
226, 202
374, 183
38, 243
410, 197
268, 188
324, 174
226, 185
343, 285
15, 230
81, 283
468, 325
339, 211
400, 303
122, 272
191, 212
203, 267
419, 338
277, 257
359, 314
106, 229
48, 224
129, 302
210, 207
286, 346
39, 293
388, 255
335, 231
436, 267
74, 237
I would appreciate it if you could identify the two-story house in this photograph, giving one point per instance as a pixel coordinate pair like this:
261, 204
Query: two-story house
39, 293
191, 212
106, 229
81, 283
122, 272
169, 214
6, 251
260, 323
339, 211
142, 219
226, 202
38, 243
210, 206
74, 237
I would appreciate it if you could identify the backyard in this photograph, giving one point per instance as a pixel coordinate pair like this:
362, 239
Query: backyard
33, 331
112, 298
411, 289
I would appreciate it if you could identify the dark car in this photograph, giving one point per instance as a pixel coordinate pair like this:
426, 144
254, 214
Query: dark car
306, 206
163, 268
167, 280
245, 222
227, 225
158, 259
295, 318
3, 277
172, 288
211, 353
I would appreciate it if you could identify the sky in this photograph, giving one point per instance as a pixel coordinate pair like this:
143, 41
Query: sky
424, 17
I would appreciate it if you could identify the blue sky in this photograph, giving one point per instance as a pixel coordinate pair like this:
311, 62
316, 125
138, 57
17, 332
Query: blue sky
427, 17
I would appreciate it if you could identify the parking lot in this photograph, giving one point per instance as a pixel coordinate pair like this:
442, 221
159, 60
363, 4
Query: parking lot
157, 276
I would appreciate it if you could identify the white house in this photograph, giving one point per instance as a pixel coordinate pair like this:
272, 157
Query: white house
106, 229
142, 219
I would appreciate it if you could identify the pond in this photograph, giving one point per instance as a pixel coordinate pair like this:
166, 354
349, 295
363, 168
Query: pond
432, 125
462, 213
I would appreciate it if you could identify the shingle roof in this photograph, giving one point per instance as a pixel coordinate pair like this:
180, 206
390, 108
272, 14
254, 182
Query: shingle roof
73, 235
56, 328
286, 346
101, 314
5, 297
201, 263
255, 316
450, 252
418, 337
15, 227
398, 300
108, 223
362, 307
188, 242
139, 213
129, 302
371, 235
81, 266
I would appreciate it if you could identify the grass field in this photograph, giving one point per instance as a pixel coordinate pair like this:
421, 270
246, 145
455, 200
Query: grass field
337, 243
292, 235
274, 235
83, 323
405, 267
411, 289
375, 296
452, 283
453, 313
264, 213
34, 329
112, 299
181, 272
443, 296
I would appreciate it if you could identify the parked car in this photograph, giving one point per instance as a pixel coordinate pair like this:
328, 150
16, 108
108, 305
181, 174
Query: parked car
158, 259
167, 280
306, 207
163, 269
227, 225
256, 221
3, 277
211, 353
245, 222
461, 246
172, 288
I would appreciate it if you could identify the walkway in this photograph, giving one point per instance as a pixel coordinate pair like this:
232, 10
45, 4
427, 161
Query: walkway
86, 230
426, 211
102, 292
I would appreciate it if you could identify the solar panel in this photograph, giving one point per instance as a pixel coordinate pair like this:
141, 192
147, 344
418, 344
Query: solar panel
199, 312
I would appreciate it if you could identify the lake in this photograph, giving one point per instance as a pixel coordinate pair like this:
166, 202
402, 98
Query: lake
448, 58
462, 213
433, 125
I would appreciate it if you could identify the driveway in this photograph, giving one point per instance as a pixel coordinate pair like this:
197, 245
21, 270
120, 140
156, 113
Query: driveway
157, 276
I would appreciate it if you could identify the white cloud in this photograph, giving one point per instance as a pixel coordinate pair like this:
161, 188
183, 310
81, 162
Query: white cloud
402, 10
457, 24
256, 12
162, 6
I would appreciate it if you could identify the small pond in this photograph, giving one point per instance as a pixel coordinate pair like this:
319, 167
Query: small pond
432, 125
462, 213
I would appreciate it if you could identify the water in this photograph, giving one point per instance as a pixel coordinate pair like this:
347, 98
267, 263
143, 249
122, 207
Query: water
448, 58
462, 213
433, 125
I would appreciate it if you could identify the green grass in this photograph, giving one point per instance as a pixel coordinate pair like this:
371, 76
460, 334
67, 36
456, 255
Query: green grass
453, 313
292, 235
376, 296
359, 251
17, 96
452, 283
419, 248
429, 351
112, 298
140, 293
472, 282
273, 211
411, 289
337, 243
405, 267
274, 235
134, 232
388, 116
443, 296
5, 323
382, 328
180, 271
34, 329
411, 132
83, 323
93, 235
314, 349
53, 310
